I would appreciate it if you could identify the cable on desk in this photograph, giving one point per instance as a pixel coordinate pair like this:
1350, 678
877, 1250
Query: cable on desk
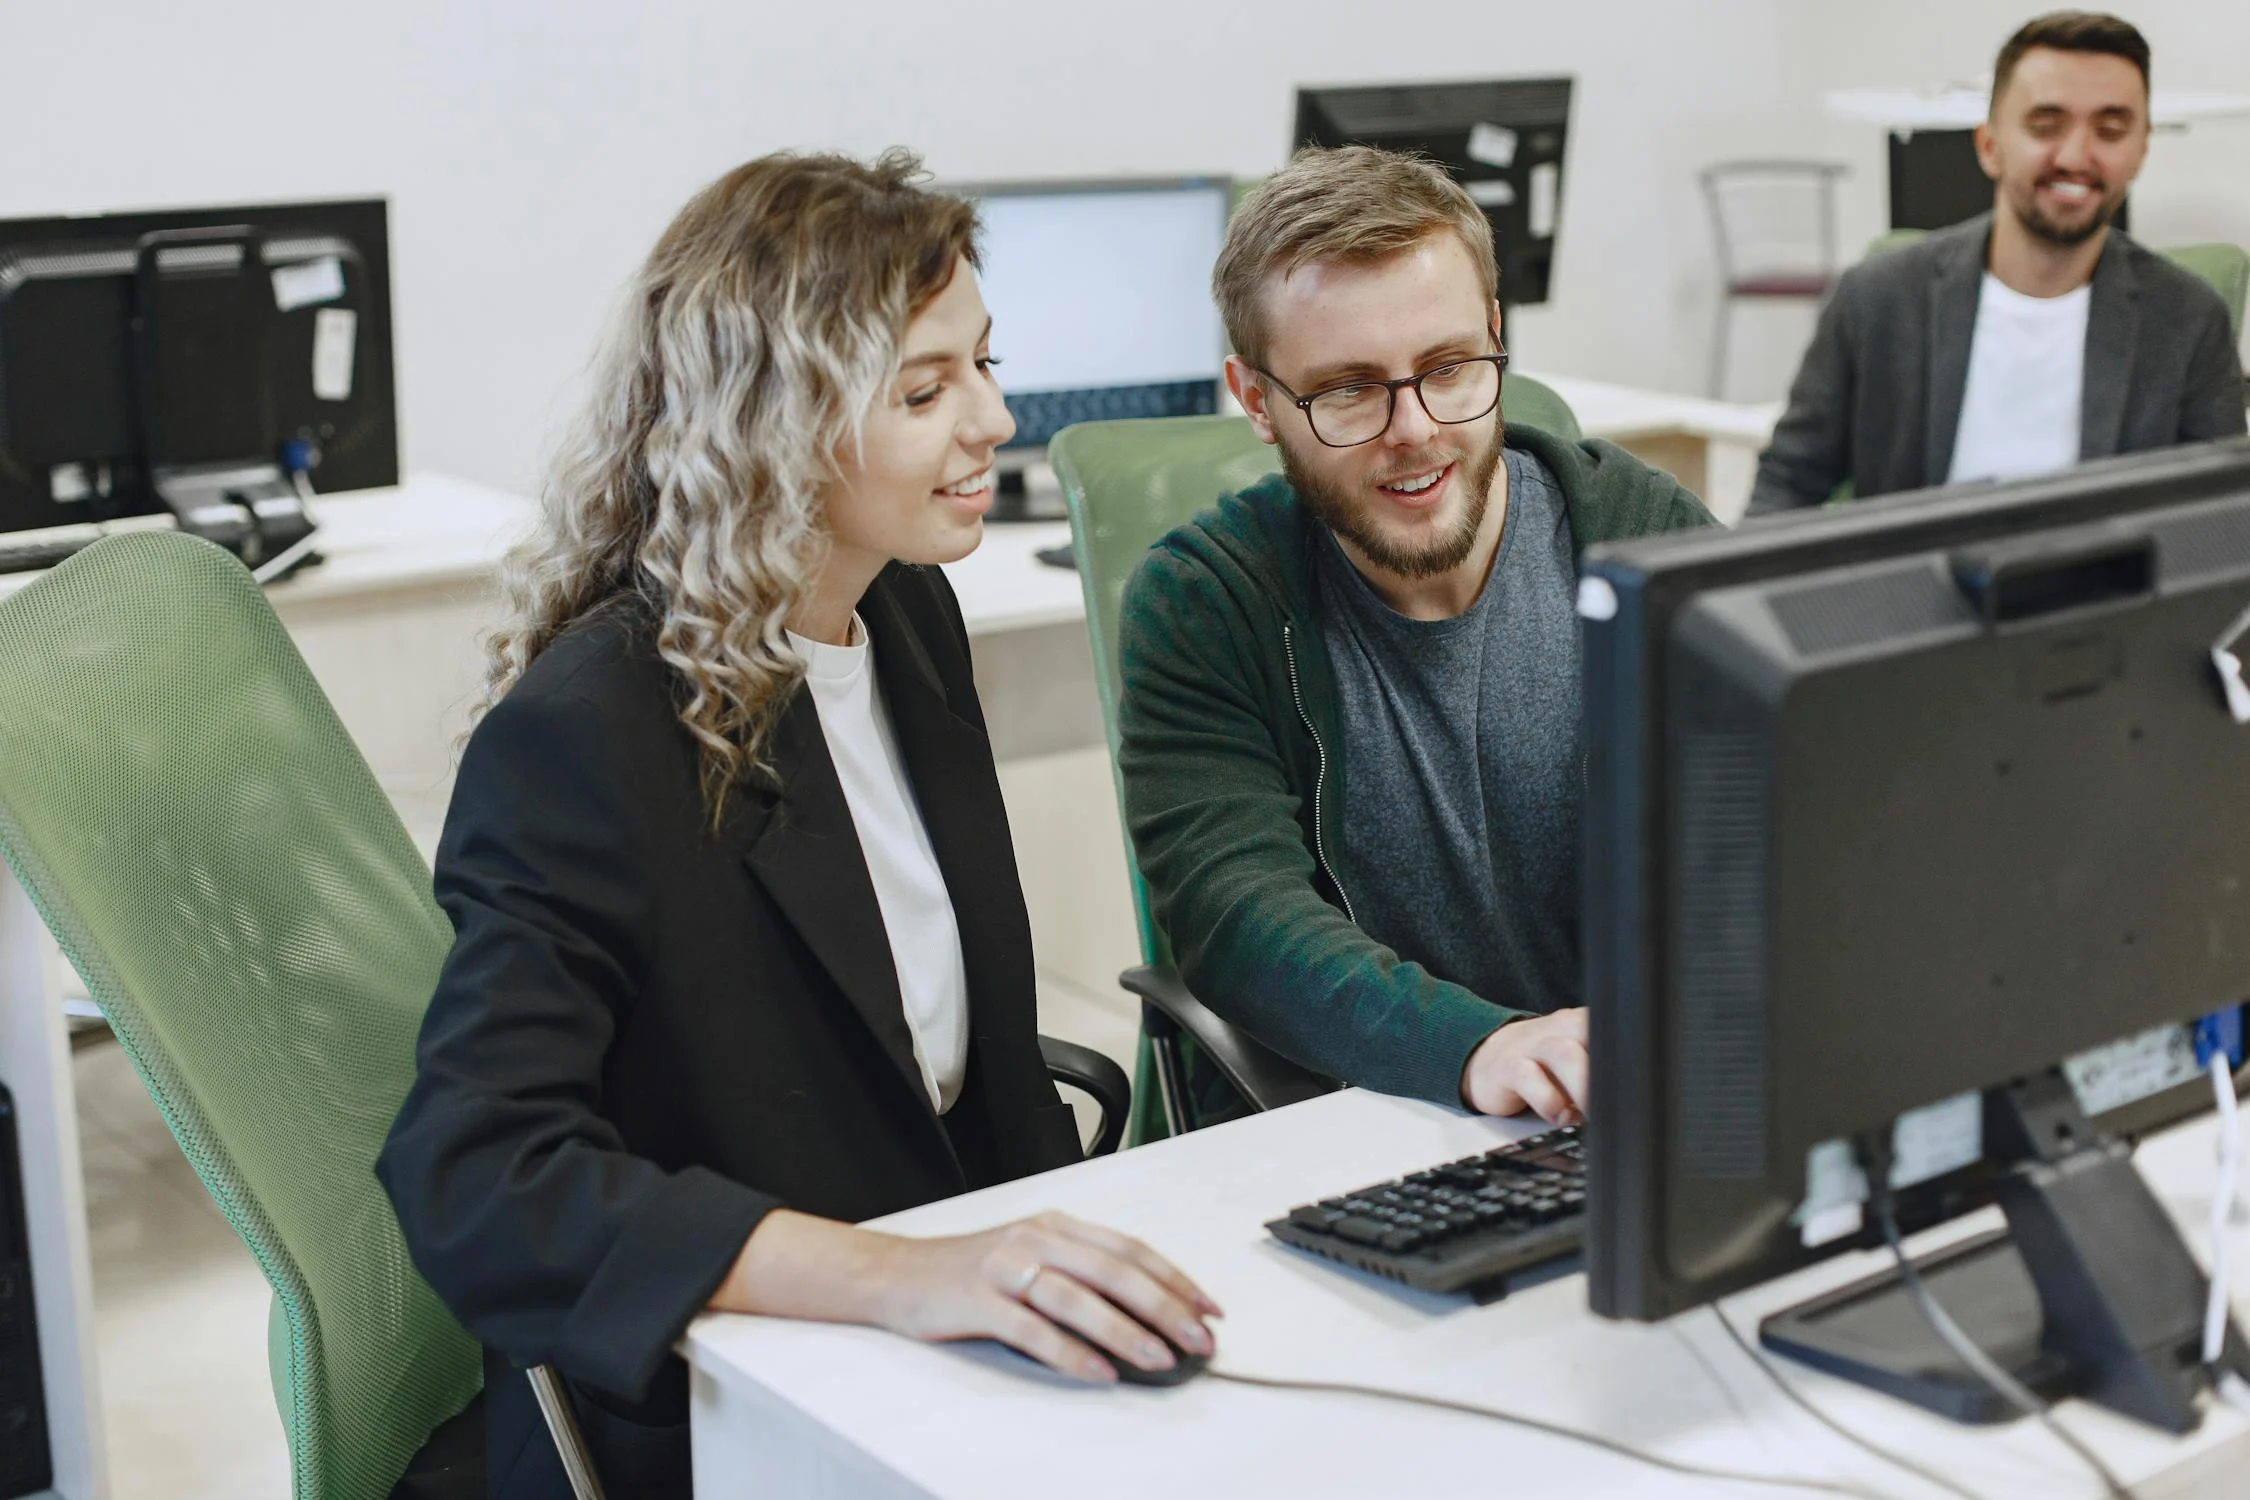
1965, 1348
1551, 1429
1750, 1352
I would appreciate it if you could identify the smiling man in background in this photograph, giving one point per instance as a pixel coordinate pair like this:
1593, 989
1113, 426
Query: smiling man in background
2027, 339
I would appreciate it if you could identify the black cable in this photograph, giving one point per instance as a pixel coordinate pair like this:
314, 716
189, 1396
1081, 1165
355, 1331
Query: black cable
1551, 1429
1965, 1348
1750, 1352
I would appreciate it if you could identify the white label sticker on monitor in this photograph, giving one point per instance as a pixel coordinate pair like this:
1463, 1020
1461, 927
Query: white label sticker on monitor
1492, 192
70, 484
335, 337
1546, 186
1835, 1188
1494, 145
1937, 1139
2125, 1072
308, 283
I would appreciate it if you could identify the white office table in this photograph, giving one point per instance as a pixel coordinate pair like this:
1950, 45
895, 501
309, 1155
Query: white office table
802, 1409
1962, 106
1712, 447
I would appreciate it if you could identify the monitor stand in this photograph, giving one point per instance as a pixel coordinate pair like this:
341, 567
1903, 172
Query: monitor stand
254, 510
2090, 1291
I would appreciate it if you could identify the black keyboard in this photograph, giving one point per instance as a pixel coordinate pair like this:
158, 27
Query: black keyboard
1041, 414
1466, 1226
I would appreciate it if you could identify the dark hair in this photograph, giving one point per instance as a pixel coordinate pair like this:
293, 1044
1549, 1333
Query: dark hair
2071, 31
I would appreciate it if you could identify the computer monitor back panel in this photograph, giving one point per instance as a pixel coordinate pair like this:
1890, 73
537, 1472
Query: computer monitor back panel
1100, 295
70, 426
1502, 139
1826, 881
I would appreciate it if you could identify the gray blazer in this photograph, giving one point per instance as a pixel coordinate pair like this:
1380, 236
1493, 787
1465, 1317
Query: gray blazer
1879, 397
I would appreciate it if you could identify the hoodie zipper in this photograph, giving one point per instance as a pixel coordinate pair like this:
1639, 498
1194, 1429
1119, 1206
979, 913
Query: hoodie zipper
1320, 775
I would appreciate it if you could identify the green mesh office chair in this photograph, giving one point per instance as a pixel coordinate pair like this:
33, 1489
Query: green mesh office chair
1127, 484
200, 834
2226, 267
203, 838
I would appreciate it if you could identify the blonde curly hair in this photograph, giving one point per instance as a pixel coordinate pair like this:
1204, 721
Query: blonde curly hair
761, 332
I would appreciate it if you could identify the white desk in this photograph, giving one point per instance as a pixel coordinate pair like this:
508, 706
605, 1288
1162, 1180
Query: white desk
1712, 447
1963, 106
812, 1410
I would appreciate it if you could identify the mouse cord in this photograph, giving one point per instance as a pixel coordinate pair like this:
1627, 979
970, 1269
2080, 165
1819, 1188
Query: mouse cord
1552, 1429
1750, 1352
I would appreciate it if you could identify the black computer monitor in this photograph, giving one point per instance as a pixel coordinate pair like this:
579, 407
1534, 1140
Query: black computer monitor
1891, 811
1502, 139
149, 360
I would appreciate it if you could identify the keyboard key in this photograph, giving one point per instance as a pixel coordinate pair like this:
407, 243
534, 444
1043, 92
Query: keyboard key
1360, 1231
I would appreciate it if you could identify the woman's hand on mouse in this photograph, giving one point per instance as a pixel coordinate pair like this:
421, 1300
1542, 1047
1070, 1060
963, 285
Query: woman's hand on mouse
1058, 1289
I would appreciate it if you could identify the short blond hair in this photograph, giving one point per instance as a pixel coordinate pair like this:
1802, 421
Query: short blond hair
1348, 205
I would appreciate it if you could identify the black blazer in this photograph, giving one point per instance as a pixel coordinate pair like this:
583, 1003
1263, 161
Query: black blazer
648, 1034
1878, 398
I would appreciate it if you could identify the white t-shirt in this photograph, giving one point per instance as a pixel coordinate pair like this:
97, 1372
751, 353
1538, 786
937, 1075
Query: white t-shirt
2027, 375
909, 888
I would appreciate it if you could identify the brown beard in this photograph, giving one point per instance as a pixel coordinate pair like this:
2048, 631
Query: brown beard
2060, 235
1347, 517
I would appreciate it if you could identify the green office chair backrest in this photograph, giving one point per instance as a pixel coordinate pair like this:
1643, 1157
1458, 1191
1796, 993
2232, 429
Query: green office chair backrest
201, 835
1128, 483
2225, 267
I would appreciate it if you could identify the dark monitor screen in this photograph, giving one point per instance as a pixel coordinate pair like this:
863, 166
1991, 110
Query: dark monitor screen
1888, 807
242, 359
1502, 139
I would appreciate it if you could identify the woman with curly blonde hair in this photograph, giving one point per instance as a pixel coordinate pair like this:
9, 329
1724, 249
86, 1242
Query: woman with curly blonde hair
740, 953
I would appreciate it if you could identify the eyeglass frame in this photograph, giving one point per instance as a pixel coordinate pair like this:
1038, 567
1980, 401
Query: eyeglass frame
1391, 389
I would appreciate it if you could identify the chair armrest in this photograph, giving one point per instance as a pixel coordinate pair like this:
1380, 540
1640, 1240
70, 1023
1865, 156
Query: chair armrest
1084, 1068
1260, 1074
562, 1426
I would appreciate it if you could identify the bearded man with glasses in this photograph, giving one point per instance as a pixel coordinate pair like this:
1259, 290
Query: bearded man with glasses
1350, 727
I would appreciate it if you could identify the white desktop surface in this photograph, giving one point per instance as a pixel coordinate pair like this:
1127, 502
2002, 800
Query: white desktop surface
807, 1409
432, 529
1002, 586
1617, 412
1961, 106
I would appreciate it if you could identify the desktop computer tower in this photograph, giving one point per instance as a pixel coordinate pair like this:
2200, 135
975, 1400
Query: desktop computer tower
26, 1465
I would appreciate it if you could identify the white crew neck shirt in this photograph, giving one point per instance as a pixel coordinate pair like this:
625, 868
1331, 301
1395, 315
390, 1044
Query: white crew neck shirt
2027, 379
917, 908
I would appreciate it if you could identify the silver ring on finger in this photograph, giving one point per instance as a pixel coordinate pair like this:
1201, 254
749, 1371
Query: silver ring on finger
1021, 1288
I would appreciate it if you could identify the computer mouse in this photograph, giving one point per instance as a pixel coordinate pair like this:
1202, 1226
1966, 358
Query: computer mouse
1185, 1367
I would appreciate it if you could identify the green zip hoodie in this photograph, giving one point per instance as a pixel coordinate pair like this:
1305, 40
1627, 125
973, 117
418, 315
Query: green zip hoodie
1230, 736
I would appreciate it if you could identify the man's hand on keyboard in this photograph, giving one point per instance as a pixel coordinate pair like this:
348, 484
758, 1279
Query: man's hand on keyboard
1538, 1063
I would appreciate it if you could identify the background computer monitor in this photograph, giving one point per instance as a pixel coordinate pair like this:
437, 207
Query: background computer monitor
1100, 295
1502, 139
1887, 808
308, 360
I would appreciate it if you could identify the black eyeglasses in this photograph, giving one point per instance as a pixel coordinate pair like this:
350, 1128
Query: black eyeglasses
1360, 411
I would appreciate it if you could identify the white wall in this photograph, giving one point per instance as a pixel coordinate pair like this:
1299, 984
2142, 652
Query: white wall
533, 151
